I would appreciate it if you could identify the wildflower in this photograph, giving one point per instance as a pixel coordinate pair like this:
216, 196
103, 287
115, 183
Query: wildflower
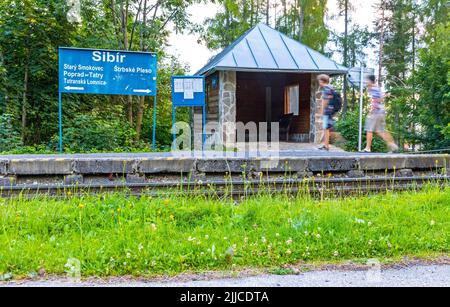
288, 252
369, 224
206, 237
318, 236
69, 193
128, 255
277, 234
140, 247
81, 206
119, 209
359, 221
263, 239
172, 217
370, 242
336, 253
190, 239
225, 238
166, 201
153, 227
306, 233
289, 242
202, 254
432, 223
245, 239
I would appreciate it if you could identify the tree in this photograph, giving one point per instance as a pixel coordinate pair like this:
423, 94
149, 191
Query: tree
432, 78
397, 58
351, 45
30, 33
234, 18
302, 20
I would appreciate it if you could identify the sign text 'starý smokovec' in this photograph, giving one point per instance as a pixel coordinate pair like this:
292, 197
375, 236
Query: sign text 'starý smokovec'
89, 71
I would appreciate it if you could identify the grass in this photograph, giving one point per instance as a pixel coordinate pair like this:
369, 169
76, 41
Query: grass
113, 235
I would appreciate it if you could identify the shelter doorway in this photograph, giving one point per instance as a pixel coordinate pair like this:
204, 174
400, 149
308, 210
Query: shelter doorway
265, 97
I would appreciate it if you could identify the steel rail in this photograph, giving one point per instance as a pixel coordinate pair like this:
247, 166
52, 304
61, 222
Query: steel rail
231, 187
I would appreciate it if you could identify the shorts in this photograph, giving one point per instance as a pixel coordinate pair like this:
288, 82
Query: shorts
376, 123
328, 122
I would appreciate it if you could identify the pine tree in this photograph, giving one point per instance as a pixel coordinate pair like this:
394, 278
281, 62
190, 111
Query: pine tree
397, 58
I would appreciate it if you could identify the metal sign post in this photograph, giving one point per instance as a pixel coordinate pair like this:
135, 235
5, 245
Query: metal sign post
106, 72
188, 91
361, 92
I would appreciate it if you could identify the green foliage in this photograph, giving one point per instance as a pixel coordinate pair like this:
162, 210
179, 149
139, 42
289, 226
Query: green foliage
417, 66
9, 137
92, 132
238, 16
348, 127
119, 234
304, 21
31, 32
433, 81
234, 19
358, 40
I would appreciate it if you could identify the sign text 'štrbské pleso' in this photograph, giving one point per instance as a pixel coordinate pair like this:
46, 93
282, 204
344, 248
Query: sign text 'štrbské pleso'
94, 71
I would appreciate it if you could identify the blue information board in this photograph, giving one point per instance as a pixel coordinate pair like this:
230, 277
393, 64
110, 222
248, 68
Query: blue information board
96, 71
188, 91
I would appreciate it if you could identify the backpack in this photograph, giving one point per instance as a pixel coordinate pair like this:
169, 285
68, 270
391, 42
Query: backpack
337, 102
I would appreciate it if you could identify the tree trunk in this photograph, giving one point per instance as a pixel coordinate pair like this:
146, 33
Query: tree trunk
380, 56
124, 19
345, 57
301, 21
141, 106
139, 117
24, 103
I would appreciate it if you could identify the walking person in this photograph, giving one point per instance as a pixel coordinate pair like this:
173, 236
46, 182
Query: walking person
376, 120
327, 109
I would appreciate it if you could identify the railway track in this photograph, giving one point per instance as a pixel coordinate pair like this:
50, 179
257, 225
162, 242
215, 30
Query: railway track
321, 187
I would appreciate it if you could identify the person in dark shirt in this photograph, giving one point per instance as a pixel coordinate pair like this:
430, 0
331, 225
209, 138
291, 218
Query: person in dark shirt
327, 109
376, 120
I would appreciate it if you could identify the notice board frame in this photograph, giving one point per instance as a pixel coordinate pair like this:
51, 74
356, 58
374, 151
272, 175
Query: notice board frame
178, 101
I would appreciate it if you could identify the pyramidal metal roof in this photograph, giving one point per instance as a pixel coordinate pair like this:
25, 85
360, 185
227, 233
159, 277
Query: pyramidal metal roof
263, 48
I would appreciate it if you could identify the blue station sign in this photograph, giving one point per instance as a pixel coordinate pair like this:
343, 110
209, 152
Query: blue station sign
109, 72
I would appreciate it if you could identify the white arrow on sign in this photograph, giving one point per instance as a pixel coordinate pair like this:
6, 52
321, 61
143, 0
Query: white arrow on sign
143, 91
73, 88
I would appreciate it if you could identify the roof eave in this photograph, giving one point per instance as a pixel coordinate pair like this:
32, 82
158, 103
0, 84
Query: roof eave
267, 70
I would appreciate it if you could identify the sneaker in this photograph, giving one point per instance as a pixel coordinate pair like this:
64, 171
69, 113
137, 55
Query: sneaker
393, 148
365, 150
323, 147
